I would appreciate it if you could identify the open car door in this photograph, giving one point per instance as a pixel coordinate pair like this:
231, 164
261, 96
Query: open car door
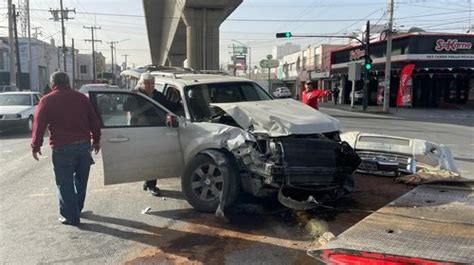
136, 143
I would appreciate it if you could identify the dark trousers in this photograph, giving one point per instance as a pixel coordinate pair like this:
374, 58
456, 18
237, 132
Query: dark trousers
149, 184
71, 167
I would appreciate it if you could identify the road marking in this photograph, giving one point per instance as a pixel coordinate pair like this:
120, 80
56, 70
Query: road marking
7, 151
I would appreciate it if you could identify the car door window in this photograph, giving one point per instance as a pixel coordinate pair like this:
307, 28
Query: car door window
127, 110
35, 100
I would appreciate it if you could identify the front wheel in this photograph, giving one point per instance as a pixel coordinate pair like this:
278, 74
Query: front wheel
204, 180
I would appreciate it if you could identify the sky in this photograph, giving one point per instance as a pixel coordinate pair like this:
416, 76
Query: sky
252, 23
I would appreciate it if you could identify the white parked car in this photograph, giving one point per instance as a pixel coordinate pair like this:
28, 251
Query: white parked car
227, 136
282, 92
8, 88
17, 110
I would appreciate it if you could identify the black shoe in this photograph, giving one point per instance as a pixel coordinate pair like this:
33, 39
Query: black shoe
153, 191
65, 221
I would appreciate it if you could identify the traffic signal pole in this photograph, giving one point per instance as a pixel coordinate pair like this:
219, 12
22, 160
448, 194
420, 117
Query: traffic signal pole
367, 67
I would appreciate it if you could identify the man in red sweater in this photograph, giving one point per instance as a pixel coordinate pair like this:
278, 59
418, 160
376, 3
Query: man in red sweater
311, 96
72, 122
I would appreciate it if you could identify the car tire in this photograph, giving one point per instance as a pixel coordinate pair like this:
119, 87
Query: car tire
201, 187
29, 125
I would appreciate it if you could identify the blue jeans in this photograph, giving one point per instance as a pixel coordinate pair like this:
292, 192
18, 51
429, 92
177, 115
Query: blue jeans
71, 166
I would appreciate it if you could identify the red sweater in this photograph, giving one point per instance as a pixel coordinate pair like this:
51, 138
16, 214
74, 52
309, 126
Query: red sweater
311, 98
69, 117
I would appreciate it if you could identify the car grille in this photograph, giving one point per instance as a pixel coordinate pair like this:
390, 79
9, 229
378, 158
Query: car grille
316, 161
403, 160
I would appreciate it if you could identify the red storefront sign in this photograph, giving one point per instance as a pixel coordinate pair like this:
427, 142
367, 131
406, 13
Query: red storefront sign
404, 96
452, 45
356, 55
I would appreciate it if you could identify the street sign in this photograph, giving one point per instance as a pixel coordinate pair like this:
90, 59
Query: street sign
240, 50
269, 63
354, 71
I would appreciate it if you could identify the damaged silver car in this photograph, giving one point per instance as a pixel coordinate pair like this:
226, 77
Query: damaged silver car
228, 136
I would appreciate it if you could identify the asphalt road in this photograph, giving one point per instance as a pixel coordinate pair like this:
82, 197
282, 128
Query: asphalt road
114, 230
453, 128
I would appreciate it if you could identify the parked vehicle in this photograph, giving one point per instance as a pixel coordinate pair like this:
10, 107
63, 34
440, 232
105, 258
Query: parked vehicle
282, 92
17, 110
106, 102
358, 96
231, 136
8, 88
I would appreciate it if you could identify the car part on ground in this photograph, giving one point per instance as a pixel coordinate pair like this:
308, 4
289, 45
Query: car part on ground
385, 153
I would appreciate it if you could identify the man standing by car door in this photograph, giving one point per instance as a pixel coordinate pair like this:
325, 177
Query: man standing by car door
71, 121
146, 85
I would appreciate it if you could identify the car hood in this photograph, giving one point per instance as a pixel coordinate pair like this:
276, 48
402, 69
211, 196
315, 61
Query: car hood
13, 109
280, 117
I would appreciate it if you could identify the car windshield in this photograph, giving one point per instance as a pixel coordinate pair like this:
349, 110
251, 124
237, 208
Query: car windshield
199, 97
15, 100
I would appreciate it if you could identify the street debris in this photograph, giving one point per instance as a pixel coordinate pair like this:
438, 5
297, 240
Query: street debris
425, 175
146, 210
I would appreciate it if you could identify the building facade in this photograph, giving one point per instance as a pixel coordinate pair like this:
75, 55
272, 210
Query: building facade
443, 70
279, 51
46, 58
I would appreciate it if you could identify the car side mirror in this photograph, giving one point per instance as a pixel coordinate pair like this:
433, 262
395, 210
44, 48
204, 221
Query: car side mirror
172, 121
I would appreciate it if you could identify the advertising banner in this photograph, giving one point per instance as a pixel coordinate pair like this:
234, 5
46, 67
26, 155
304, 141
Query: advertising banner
380, 91
404, 95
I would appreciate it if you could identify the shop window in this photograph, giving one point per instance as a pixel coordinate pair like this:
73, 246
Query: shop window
83, 69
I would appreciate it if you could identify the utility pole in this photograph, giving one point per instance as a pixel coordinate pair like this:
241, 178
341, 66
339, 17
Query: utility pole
29, 45
61, 15
36, 34
73, 53
469, 12
125, 55
112, 43
92, 28
11, 40
388, 56
17, 49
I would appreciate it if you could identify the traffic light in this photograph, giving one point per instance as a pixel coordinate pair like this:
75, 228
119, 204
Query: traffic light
284, 35
368, 64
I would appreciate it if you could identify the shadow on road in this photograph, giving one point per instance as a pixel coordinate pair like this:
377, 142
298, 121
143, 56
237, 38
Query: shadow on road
186, 244
464, 159
14, 135
174, 194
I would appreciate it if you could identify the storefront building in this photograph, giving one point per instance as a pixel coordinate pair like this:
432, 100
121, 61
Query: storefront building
441, 69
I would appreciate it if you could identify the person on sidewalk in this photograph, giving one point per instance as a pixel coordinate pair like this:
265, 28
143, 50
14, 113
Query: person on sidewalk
146, 85
335, 94
311, 96
71, 121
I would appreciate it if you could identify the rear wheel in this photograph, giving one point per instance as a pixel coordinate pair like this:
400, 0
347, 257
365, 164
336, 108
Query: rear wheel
204, 180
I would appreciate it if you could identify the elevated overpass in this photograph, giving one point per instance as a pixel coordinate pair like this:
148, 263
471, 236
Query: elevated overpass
186, 29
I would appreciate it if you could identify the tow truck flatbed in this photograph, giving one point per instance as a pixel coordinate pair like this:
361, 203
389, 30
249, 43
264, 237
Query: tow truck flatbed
433, 222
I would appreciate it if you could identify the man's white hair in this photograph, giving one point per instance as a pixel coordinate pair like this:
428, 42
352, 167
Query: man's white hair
144, 77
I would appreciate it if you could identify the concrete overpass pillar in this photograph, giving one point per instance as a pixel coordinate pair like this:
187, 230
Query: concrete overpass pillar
202, 30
